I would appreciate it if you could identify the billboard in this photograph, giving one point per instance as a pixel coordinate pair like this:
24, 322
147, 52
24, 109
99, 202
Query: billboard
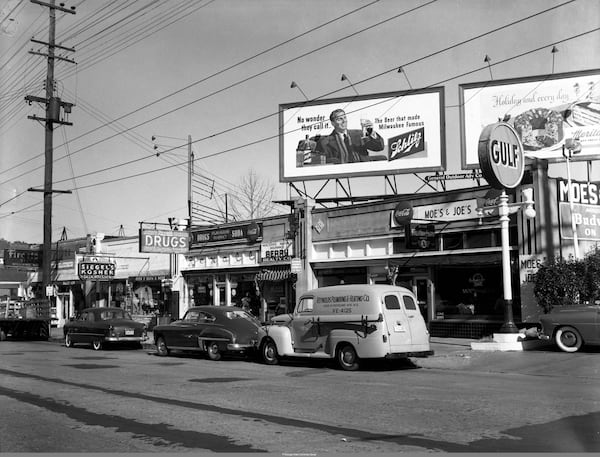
544, 110
388, 133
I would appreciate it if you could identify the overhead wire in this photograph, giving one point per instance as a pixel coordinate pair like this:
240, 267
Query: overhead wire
535, 50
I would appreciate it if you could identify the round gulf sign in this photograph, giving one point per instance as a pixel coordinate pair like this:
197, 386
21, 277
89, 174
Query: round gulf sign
501, 156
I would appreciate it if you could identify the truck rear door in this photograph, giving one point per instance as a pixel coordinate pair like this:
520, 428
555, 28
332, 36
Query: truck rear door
399, 330
418, 328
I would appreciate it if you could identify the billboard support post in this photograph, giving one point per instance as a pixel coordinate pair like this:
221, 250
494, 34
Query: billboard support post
573, 147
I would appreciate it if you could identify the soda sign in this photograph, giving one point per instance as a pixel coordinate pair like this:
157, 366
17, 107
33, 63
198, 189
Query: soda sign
95, 270
501, 156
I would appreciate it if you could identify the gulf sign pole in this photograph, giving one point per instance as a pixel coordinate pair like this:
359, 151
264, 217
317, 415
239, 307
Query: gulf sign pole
502, 164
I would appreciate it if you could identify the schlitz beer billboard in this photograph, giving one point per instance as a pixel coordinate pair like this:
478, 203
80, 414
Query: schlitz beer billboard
380, 134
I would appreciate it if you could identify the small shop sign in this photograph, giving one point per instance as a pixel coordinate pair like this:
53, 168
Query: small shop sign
163, 241
276, 251
96, 270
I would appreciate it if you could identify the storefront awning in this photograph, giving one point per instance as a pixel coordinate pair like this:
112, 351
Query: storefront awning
273, 274
488, 258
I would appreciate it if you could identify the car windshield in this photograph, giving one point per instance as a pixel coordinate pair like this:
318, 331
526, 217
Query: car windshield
114, 314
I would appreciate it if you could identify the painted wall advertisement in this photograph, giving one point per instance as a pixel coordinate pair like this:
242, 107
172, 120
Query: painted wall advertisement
544, 110
586, 209
389, 133
529, 264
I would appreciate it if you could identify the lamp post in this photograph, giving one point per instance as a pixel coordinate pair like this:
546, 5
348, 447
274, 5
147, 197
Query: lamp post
570, 147
504, 210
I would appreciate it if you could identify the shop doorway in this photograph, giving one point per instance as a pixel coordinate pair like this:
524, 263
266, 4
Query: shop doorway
422, 287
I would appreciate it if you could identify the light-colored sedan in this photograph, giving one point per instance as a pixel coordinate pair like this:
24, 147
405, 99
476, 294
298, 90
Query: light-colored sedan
570, 327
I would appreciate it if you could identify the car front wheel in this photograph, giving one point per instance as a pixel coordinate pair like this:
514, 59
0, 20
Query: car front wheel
97, 344
161, 347
212, 348
68, 341
568, 339
269, 353
347, 358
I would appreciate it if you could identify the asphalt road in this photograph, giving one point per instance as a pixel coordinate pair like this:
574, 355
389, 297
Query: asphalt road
60, 400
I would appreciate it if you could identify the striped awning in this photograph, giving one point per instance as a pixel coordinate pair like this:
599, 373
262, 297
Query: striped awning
273, 274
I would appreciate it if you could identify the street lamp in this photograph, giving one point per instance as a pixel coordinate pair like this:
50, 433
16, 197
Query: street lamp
504, 210
570, 147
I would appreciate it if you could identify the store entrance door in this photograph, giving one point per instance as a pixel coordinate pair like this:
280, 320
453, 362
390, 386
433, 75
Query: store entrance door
422, 287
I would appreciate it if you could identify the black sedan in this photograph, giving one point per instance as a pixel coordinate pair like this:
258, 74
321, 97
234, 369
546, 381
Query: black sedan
213, 330
572, 326
100, 326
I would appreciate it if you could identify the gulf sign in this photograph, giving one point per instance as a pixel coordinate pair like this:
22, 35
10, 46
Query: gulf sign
164, 241
501, 156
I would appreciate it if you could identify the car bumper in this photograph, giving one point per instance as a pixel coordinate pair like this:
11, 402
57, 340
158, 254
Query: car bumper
125, 339
240, 347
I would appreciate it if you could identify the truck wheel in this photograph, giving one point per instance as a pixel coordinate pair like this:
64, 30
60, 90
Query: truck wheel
97, 344
269, 353
568, 339
68, 341
212, 349
347, 358
161, 347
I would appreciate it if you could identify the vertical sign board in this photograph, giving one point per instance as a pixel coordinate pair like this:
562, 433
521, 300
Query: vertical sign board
586, 209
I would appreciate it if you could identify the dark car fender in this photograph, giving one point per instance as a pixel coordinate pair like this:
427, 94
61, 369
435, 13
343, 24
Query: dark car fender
221, 335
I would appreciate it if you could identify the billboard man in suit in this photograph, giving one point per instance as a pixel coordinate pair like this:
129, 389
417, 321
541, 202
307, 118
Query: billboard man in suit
348, 146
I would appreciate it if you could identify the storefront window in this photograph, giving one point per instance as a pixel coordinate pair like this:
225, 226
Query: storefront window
469, 291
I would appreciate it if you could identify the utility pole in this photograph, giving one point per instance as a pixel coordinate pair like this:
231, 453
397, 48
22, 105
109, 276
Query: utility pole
190, 173
53, 116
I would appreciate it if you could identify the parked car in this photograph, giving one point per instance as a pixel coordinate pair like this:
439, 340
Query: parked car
214, 330
348, 323
572, 326
101, 326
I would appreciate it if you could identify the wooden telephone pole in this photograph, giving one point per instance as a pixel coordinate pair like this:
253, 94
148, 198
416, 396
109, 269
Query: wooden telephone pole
54, 107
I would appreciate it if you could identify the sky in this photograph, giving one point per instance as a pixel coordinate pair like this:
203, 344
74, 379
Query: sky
216, 71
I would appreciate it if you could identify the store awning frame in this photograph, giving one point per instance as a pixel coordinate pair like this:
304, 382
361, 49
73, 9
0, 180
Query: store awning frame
274, 274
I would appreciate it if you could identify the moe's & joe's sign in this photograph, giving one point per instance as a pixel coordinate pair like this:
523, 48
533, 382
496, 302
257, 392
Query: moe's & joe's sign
501, 156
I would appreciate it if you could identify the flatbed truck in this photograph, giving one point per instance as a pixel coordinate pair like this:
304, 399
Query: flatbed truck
26, 319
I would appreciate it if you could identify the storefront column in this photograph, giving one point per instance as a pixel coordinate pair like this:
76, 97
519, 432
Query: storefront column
215, 290
227, 290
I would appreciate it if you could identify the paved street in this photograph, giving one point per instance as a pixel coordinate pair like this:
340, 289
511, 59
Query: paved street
62, 400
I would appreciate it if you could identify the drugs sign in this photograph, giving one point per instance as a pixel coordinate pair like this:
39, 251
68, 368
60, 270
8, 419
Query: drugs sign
94, 270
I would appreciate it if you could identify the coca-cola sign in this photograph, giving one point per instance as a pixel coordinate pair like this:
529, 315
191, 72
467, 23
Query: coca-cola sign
403, 213
406, 144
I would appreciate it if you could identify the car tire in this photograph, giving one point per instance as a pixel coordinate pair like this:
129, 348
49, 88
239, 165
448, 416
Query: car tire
97, 344
212, 349
68, 341
347, 358
268, 352
161, 347
568, 339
